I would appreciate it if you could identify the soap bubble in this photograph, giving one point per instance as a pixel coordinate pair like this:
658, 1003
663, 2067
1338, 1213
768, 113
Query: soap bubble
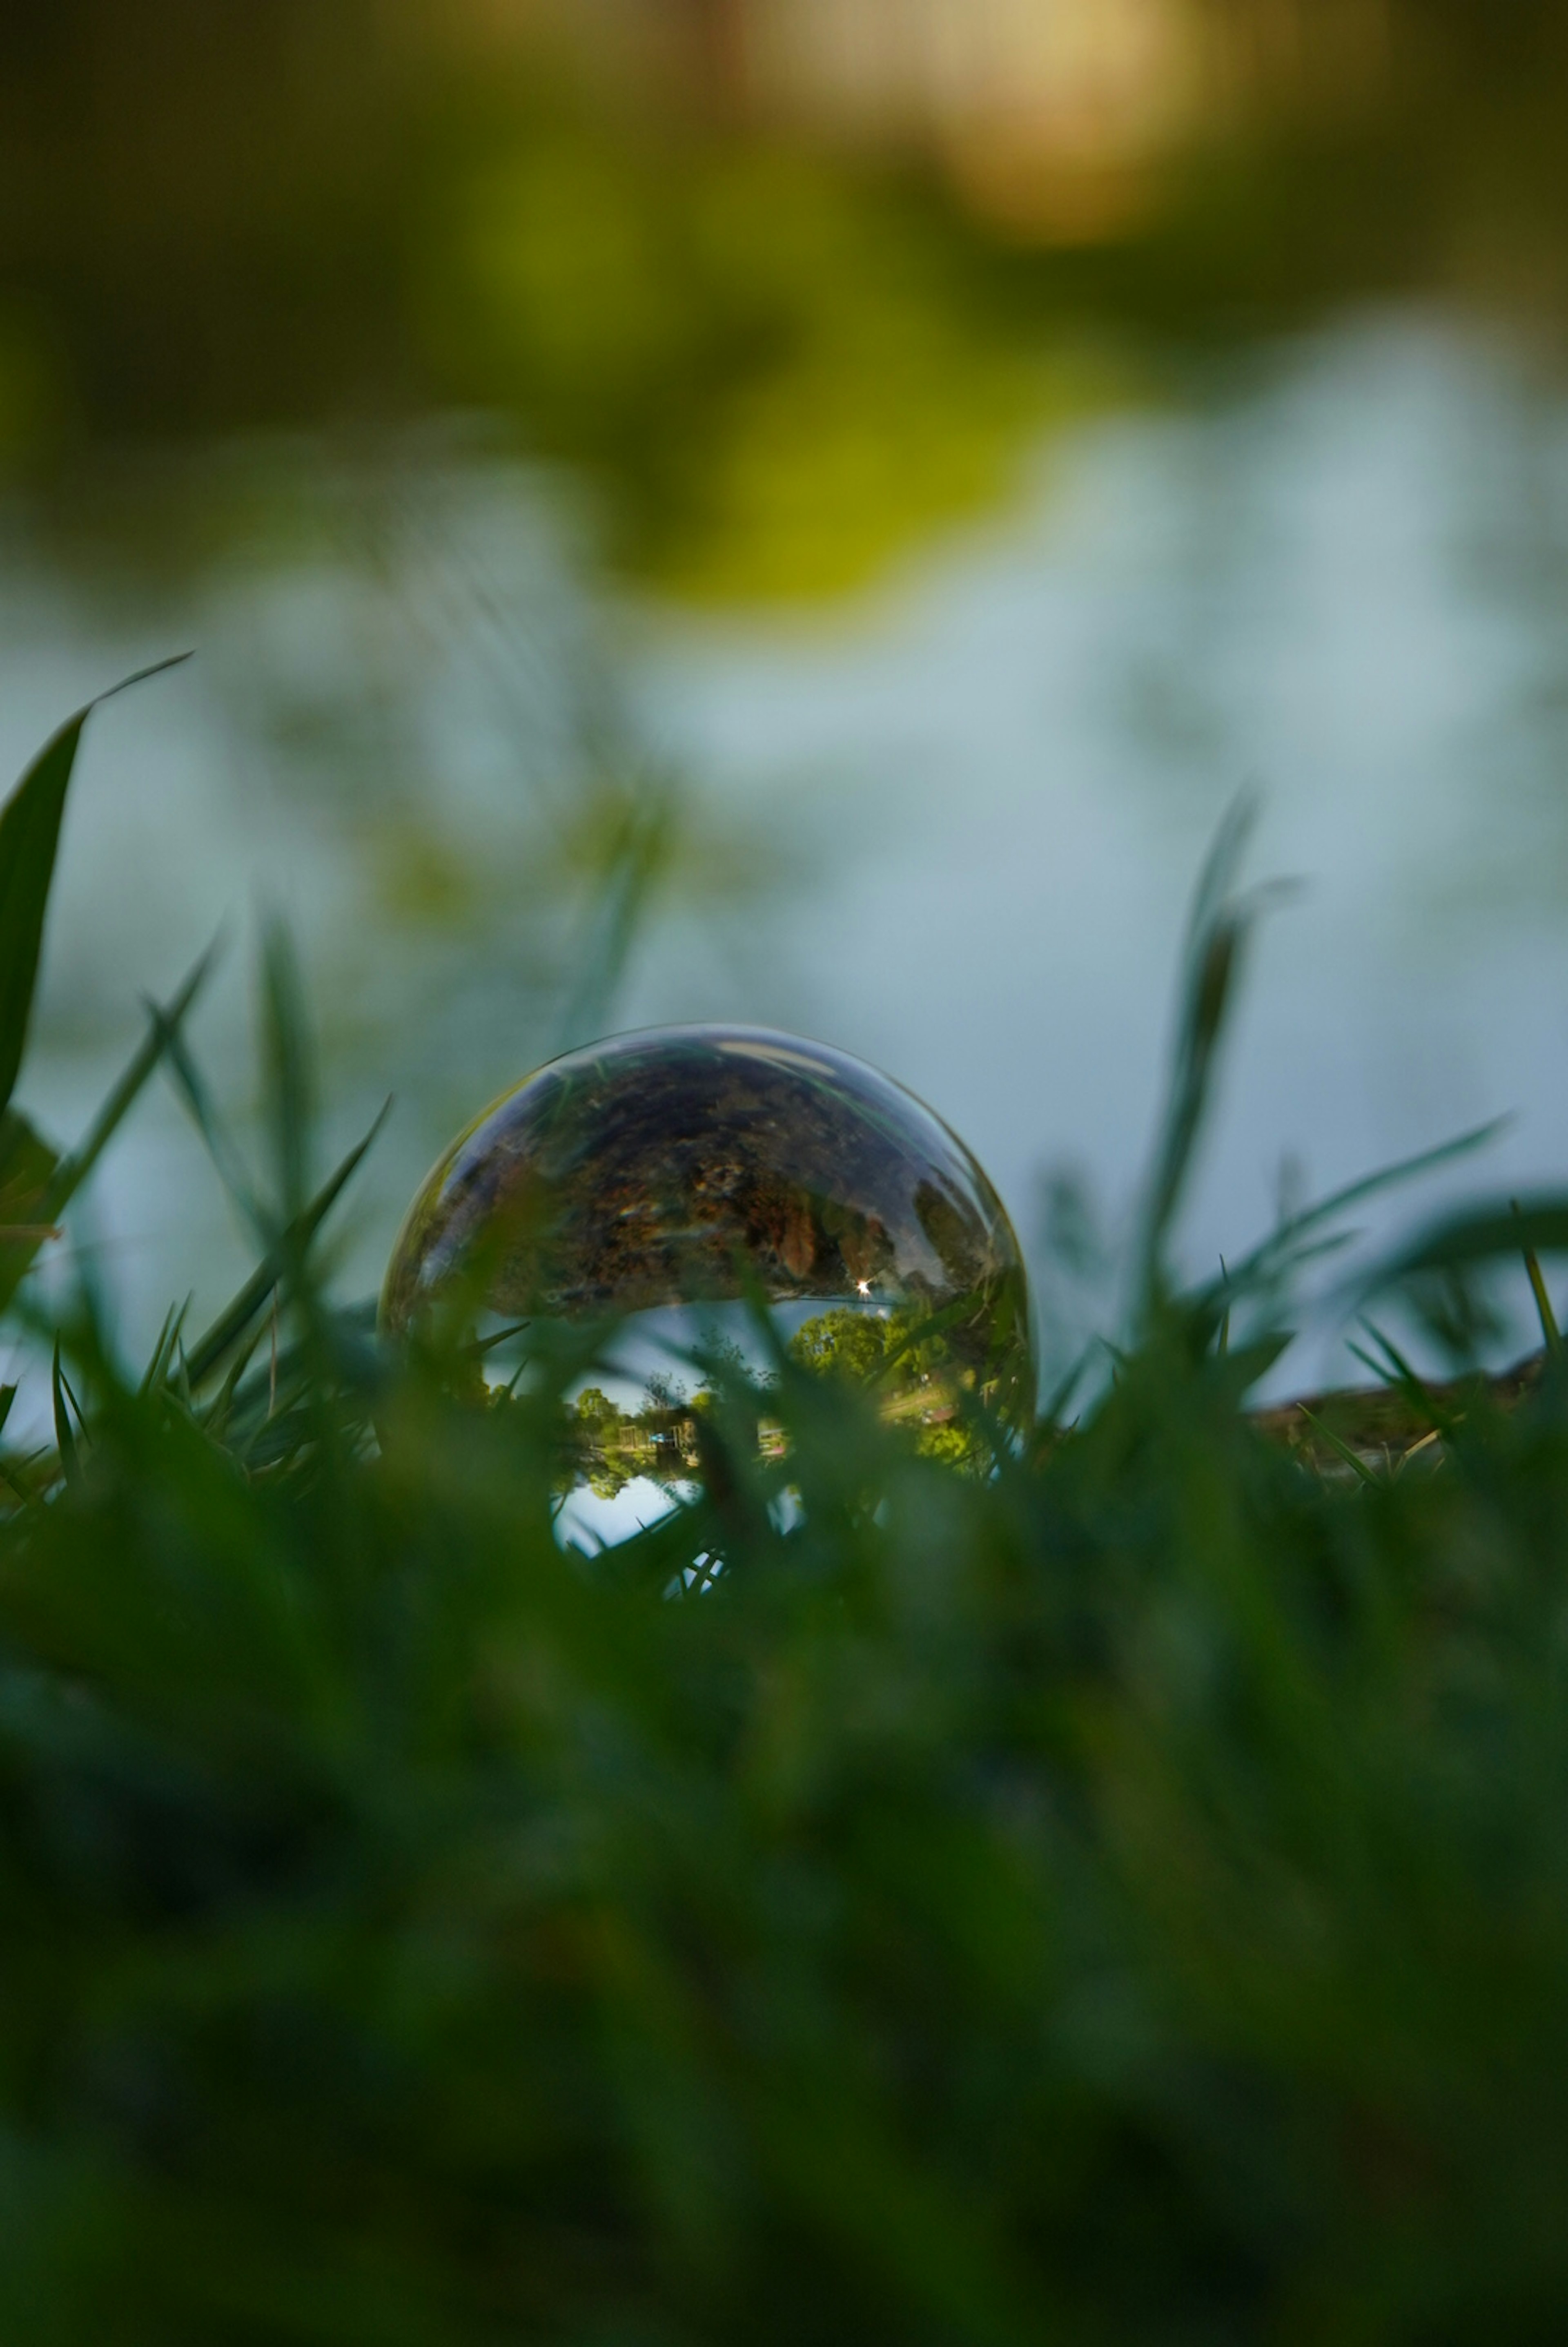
670, 1179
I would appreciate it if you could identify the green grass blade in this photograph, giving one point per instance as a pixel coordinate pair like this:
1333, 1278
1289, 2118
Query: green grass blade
220, 1411
233, 1322
1548, 1318
164, 1021
1341, 1450
158, 1368
29, 838
29, 842
64, 1433
1409, 1382
1294, 1242
188, 1082
1218, 930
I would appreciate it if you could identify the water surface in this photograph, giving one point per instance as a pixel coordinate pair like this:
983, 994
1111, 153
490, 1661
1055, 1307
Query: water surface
950, 824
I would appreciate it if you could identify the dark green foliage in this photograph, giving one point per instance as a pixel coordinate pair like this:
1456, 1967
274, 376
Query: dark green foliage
1120, 1898
1125, 1899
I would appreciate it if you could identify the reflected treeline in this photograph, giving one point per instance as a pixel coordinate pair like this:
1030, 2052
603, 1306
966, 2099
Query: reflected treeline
914, 1366
791, 286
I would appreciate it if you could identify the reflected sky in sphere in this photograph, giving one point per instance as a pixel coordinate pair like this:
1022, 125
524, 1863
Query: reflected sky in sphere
672, 1170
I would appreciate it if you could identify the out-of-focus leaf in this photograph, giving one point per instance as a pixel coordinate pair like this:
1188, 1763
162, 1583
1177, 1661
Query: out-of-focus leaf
1538, 1225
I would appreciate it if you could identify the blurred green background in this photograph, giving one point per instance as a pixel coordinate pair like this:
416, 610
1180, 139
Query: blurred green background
803, 509
786, 282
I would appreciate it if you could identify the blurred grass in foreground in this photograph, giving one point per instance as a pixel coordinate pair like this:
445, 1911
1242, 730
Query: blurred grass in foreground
1124, 1898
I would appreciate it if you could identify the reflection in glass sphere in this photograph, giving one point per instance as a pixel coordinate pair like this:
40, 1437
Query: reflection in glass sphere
662, 1174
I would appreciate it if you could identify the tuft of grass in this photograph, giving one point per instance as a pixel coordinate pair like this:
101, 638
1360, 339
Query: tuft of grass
1121, 1897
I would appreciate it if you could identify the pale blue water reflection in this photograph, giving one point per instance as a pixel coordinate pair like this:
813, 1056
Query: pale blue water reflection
985, 789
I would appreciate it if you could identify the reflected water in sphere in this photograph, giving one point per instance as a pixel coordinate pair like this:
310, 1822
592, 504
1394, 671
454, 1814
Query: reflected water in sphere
632, 1180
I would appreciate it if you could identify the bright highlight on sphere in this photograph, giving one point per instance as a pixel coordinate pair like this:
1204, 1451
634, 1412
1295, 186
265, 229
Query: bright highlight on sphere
642, 1173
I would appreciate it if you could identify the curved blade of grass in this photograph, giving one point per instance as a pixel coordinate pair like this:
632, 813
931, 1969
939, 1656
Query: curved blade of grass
29, 836
29, 840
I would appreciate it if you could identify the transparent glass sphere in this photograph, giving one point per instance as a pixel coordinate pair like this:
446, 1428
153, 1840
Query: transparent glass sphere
655, 1178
